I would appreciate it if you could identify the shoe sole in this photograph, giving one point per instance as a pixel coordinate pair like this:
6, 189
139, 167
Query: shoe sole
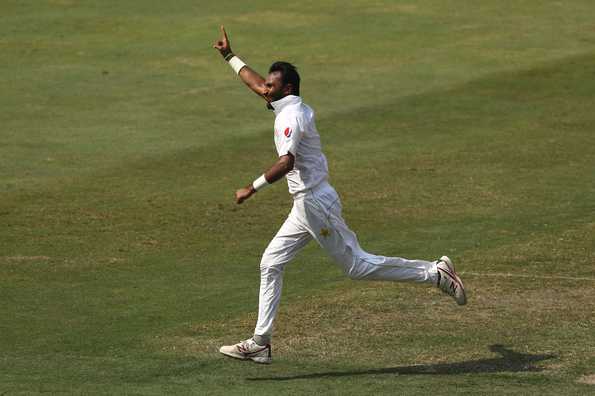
256, 359
453, 273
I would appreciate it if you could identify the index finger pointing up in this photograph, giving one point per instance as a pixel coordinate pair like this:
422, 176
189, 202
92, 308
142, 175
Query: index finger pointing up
223, 32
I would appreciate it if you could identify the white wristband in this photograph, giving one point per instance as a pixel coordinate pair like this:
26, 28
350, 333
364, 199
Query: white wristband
236, 64
260, 183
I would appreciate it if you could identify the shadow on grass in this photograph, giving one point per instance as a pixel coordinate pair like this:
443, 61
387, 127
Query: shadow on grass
508, 361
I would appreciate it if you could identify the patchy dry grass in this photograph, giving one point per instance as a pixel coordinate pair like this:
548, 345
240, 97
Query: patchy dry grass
565, 254
518, 323
359, 318
453, 130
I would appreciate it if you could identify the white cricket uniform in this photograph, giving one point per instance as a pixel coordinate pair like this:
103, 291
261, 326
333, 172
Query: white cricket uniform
316, 214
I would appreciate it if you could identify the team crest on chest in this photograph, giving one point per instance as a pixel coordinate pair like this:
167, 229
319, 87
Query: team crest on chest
287, 132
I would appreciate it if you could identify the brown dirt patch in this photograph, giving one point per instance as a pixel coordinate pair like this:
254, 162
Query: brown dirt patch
587, 379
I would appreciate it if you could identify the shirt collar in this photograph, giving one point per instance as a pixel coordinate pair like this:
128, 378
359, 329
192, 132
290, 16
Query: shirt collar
280, 104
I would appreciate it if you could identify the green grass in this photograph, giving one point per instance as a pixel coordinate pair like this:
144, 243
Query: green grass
451, 127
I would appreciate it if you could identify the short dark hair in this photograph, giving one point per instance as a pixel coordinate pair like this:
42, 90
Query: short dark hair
289, 75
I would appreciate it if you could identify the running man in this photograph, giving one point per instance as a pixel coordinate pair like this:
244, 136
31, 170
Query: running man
316, 212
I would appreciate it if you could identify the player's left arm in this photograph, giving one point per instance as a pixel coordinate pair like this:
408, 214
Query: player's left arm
282, 167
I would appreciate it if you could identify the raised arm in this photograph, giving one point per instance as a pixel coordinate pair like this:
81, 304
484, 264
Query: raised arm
252, 79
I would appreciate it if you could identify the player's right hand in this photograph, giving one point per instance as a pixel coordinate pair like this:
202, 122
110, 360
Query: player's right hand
244, 193
222, 45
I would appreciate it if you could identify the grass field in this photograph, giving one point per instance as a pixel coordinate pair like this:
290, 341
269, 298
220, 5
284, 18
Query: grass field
451, 127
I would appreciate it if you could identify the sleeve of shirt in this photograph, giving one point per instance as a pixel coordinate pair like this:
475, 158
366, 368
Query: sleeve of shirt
291, 135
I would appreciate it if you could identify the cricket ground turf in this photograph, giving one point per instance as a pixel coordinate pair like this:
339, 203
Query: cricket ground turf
451, 127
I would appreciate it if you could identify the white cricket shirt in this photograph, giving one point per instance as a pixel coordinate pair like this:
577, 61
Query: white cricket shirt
295, 133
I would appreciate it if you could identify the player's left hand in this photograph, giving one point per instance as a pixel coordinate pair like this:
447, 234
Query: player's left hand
244, 193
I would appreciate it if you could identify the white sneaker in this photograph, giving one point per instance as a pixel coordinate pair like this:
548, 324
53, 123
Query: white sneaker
248, 349
449, 282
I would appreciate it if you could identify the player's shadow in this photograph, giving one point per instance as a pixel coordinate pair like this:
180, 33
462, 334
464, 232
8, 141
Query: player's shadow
508, 361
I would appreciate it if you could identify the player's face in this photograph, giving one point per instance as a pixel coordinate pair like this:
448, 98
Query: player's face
275, 89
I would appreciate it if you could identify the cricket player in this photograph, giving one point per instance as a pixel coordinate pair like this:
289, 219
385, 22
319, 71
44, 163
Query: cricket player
316, 212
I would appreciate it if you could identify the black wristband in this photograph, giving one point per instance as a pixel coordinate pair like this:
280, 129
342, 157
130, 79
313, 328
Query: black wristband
228, 56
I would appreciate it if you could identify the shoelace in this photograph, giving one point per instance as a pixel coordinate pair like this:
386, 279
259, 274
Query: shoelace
449, 285
244, 346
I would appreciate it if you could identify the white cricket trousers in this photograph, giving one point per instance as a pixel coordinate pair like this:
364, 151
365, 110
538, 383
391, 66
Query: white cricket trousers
316, 214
